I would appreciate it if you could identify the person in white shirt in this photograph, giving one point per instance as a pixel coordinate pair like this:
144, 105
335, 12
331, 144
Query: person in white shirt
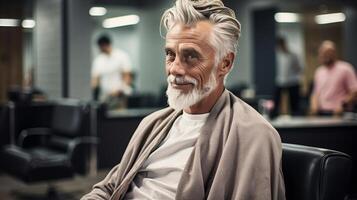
111, 72
287, 79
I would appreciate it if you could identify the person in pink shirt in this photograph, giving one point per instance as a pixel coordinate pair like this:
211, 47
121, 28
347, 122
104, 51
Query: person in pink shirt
335, 83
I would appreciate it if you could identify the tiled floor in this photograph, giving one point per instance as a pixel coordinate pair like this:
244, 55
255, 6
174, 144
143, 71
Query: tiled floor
13, 189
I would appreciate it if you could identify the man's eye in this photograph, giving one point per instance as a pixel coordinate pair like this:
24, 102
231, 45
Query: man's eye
191, 58
170, 56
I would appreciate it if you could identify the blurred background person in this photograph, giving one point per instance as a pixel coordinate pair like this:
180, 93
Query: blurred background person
335, 83
287, 79
111, 75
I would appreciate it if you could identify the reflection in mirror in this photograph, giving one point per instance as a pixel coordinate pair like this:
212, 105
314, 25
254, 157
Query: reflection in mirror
304, 26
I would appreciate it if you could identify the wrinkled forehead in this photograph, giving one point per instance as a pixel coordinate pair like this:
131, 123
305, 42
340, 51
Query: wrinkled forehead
199, 33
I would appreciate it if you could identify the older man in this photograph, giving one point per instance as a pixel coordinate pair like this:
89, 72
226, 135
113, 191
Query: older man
208, 144
335, 83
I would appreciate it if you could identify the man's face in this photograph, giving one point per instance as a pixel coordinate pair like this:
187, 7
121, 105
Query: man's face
327, 55
190, 61
105, 48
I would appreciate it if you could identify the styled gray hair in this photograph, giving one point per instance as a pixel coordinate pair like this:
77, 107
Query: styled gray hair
226, 28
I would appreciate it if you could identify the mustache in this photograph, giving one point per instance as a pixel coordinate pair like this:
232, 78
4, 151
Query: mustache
181, 80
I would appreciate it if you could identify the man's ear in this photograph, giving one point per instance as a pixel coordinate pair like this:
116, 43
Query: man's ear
226, 65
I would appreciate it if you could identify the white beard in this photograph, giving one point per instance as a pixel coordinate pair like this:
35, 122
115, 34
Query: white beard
179, 100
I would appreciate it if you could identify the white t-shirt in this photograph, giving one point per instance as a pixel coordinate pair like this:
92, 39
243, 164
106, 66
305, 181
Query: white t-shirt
288, 70
159, 176
109, 69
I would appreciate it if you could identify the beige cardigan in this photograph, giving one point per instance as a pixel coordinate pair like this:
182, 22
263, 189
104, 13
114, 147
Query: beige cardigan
237, 156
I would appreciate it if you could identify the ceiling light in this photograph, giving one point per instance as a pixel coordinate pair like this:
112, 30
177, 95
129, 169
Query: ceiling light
9, 22
330, 18
28, 23
97, 11
286, 17
121, 21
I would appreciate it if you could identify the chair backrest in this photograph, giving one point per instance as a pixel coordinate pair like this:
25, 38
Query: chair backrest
312, 173
71, 119
68, 118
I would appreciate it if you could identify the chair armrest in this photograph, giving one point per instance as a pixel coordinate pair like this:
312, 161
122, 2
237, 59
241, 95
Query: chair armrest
39, 132
74, 144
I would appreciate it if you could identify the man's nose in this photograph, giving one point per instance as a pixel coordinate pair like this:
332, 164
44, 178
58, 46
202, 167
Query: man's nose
177, 68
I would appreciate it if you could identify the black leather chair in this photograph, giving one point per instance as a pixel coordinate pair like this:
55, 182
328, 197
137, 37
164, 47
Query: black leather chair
55, 152
312, 173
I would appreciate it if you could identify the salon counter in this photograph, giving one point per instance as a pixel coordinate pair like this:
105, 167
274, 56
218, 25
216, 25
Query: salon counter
312, 122
130, 113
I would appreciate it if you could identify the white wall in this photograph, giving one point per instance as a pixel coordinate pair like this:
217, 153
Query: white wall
242, 70
79, 49
48, 40
152, 57
47, 37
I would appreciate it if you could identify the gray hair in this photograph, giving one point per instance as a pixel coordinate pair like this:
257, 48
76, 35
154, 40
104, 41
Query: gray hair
226, 29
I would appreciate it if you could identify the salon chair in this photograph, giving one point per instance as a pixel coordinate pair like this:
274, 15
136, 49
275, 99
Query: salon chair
312, 173
46, 154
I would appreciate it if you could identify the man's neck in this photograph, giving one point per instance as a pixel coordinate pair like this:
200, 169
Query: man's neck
331, 64
207, 103
109, 52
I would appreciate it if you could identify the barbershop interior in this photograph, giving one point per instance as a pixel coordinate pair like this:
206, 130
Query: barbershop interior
63, 126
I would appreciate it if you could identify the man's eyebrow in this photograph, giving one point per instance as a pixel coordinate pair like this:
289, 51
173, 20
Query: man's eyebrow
168, 49
190, 50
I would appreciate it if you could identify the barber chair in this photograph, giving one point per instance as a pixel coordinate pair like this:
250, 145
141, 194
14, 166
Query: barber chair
312, 173
52, 153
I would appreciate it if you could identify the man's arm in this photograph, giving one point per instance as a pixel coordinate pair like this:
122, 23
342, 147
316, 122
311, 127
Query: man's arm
104, 189
350, 100
126, 74
127, 80
314, 105
126, 88
351, 83
94, 82
95, 87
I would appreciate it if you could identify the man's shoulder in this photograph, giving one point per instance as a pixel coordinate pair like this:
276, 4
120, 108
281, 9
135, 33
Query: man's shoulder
98, 58
320, 69
345, 66
251, 124
98, 62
